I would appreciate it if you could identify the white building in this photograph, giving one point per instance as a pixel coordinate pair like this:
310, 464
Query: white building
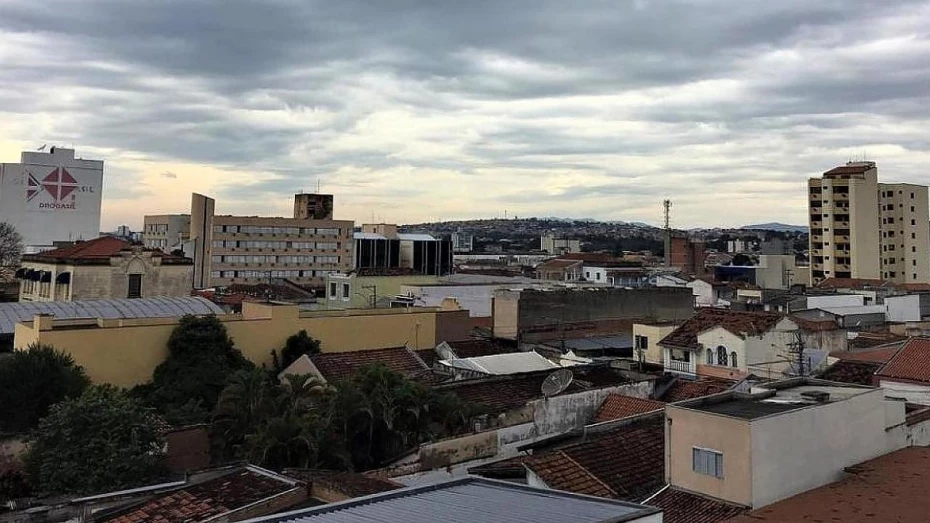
51, 196
462, 242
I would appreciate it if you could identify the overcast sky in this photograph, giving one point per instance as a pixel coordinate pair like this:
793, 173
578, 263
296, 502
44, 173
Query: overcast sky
429, 109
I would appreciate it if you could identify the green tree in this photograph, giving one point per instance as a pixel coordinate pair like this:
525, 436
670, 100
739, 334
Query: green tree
296, 346
33, 380
102, 440
201, 357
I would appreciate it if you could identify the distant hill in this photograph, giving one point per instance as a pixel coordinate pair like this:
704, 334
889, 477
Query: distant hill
775, 226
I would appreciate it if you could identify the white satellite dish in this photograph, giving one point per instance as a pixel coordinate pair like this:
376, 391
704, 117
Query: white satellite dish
556, 382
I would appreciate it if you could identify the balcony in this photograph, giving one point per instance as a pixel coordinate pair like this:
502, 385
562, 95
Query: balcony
679, 367
817, 238
841, 225
840, 197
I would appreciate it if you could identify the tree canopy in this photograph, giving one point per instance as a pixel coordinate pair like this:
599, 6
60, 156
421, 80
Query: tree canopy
33, 380
11, 245
102, 440
296, 346
201, 357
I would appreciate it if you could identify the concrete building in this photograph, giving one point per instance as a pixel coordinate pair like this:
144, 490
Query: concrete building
782, 439
559, 313
555, 245
687, 255
463, 241
103, 268
125, 351
254, 249
380, 249
860, 228
166, 231
310, 206
908, 307
646, 338
51, 196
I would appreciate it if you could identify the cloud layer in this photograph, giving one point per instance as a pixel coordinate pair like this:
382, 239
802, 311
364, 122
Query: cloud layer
413, 110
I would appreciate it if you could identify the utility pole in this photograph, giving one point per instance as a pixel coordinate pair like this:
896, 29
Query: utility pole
667, 205
796, 353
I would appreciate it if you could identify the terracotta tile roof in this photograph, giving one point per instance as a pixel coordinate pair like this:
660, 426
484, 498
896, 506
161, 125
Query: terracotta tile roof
98, 250
877, 354
504, 468
205, 500
683, 390
865, 340
855, 372
617, 406
554, 265
352, 484
738, 322
336, 366
911, 362
679, 506
890, 488
625, 463
851, 283
850, 169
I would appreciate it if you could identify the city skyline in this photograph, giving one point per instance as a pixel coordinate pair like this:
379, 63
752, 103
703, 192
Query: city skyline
541, 109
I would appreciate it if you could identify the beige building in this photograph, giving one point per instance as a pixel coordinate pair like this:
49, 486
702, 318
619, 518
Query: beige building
166, 231
860, 228
103, 268
555, 245
255, 249
646, 338
782, 439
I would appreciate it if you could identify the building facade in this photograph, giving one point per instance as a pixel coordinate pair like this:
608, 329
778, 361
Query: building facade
462, 241
103, 268
166, 231
554, 245
380, 249
310, 206
51, 196
860, 228
256, 249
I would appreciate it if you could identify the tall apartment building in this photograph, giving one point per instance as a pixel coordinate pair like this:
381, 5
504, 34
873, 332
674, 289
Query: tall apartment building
255, 249
166, 231
860, 228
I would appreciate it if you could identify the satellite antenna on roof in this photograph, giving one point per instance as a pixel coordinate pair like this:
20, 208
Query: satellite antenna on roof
556, 382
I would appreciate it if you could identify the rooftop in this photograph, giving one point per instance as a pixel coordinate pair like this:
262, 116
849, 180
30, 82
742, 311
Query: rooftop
738, 322
352, 484
911, 362
683, 390
98, 250
338, 366
207, 500
850, 168
471, 500
617, 406
679, 506
478, 347
497, 364
624, 463
16, 312
889, 488
876, 354
777, 398
850, 371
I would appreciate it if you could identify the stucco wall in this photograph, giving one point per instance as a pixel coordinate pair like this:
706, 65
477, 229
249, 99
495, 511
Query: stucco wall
126, 352
911, 392
803, 449
686, 429
653, 333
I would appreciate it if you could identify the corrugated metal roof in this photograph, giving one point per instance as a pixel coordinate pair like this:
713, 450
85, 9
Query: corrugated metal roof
164, 307
415, 237
471, 500
368, 236
498, 364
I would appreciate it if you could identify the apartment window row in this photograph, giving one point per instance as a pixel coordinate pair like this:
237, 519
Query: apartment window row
264, 275
156, 227
271, 244
291, 231
721, 357
889, 194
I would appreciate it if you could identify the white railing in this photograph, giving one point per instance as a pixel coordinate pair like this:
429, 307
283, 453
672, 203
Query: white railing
679, 366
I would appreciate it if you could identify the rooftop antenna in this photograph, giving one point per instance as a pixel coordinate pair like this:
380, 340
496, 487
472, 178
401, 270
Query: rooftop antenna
318, 185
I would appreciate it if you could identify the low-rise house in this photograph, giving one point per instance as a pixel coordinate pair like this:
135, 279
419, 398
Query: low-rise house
103, 268
781, 439
857, 318
708, 293
908, 307
618, 406
560, 270
469, 500
646, 337
730, 344
892, 487
906, 374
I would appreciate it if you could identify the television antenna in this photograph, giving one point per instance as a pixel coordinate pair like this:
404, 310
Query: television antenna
556, 382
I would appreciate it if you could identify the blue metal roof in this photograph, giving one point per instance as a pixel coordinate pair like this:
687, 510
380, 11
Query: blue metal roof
470, 500
164, 307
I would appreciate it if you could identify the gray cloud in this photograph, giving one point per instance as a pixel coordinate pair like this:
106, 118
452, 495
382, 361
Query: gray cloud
459, 108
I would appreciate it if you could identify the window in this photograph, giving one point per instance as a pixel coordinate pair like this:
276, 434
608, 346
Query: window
912, 208
597, 276
332, 291
345, 291
733, 359
587, 275
913, 235
722, 355
912, 196
135, 286
913, 221
707, 462
710, 357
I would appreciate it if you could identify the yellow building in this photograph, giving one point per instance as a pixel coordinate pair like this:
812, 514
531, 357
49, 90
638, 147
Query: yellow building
351, 291
103, 268
863, 229
125, 352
